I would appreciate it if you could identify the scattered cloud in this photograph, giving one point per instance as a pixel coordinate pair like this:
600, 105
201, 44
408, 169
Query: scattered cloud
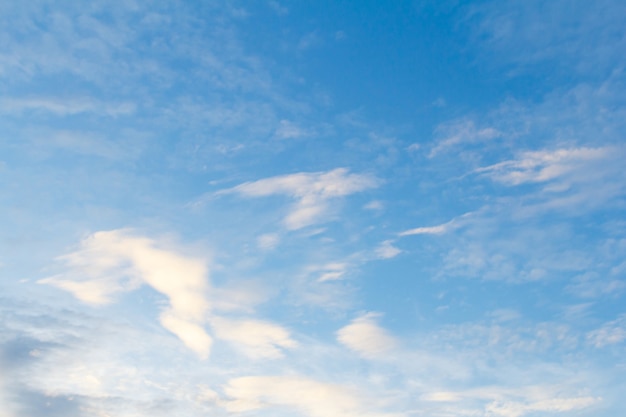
310, 40
584, 40
364, 336
313, 192
554, 405
429, 230
386, 250
331, 271
313, 398
268, 241
66, 106
375, 205
290, 130
278, 8
610, 333
542, 166
110, 262
463, 132
255, 338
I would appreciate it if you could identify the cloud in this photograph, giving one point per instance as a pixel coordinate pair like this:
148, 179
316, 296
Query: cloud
428, 230
585, 39
65, 106
255, 338
543, 166
331, 271
511, 402
611, 333
386, 250
110, 262
461, 132
313, 398
290, 130
553, 405
313, 192
366, 337
268, 241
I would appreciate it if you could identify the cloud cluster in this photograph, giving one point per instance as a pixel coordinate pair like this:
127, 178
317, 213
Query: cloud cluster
114, 261
255, 338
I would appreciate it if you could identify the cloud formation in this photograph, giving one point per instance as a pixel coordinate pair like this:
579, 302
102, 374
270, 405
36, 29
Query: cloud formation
110, 262
364, 336
312, 192
542, 166
255, 338
313, 398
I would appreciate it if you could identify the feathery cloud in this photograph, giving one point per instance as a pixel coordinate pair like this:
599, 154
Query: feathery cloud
542, 166
313, 398
255, 338
313, 192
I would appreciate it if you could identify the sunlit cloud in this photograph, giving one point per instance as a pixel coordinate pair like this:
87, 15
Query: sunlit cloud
255, 338
364, 336
114, 261
313, 192
542, 166
313, 398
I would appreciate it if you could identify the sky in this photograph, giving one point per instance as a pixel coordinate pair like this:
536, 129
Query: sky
312, 208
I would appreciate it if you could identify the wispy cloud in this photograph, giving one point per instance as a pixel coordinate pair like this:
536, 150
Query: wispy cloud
610, 333
542, 166
65, 106
461, 133
386, 250
255, 338
312, 191
584, 39
429, 230
110, 262
311, 397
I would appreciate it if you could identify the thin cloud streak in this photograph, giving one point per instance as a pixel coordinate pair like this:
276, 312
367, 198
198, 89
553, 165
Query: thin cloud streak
313, 192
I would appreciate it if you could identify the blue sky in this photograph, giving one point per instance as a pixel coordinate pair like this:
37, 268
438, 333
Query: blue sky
317, 209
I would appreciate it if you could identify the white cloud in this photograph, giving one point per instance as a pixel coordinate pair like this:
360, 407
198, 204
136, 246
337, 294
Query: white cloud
109, 262
511, 402
429, 230
65, 106
366, 337
255, 338
239, 295
542, 166
611, 333
375, 205
290, 130
553, 405
310, 397
331, 271
5, 401
312, 192
268, 241
386, 250
461, 132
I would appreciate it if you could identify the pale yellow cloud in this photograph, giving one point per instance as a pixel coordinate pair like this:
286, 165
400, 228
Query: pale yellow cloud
109, 262
309, 397
364, 336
